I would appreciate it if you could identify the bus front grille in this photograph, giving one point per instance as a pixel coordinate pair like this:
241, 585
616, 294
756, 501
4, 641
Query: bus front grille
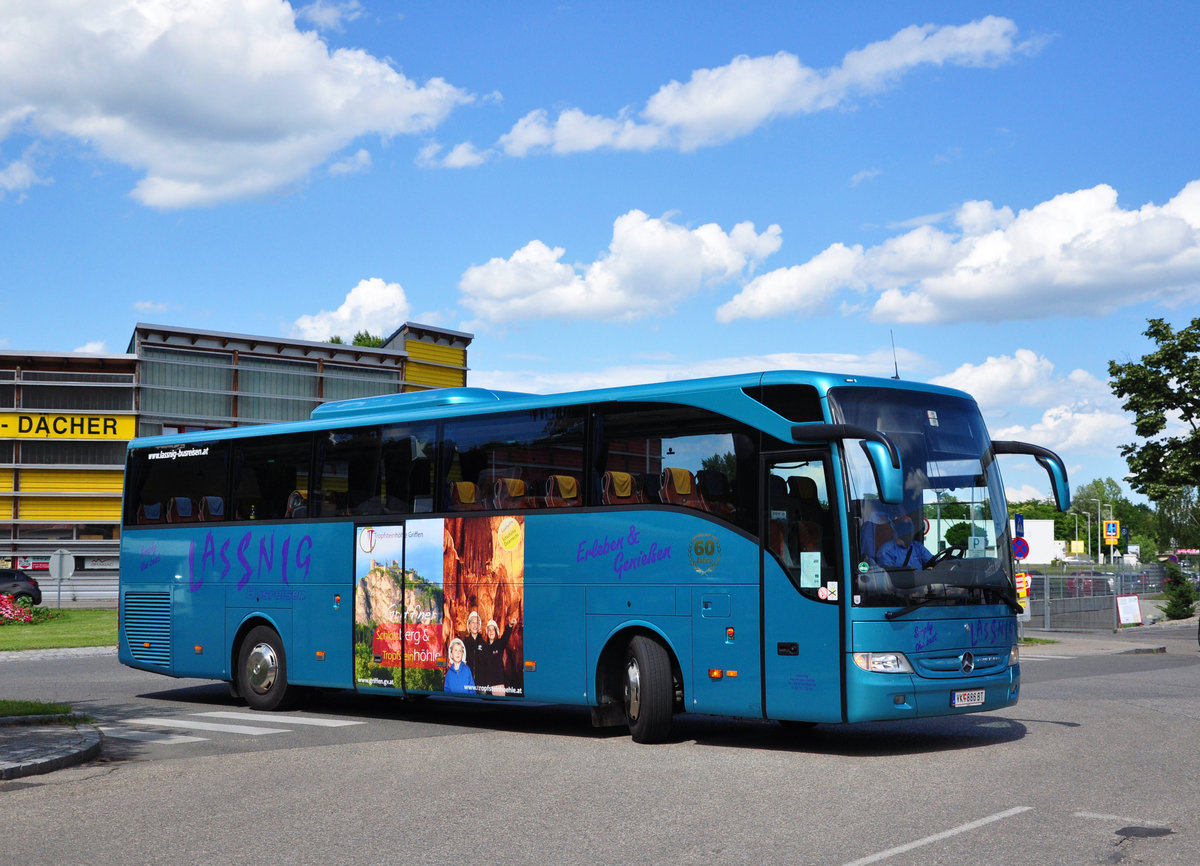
146, 622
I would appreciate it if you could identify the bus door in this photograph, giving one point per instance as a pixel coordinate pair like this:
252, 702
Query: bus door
803, 590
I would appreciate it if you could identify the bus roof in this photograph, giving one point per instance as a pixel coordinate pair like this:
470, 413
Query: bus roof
719, 394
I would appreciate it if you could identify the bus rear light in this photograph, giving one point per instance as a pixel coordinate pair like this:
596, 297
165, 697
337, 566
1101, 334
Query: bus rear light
731, 673
715, 673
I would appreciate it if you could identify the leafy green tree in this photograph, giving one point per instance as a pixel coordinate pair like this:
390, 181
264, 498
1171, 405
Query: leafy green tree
1180, 592
362, 338
1162, 390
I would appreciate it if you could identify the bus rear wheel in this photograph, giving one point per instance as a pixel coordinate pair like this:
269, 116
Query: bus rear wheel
262, 669
649, 693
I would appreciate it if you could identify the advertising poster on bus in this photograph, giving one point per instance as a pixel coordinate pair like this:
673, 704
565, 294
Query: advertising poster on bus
439, 606
485, 602
398, 606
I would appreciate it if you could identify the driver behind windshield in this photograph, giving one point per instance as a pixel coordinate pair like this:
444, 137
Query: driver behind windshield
902, 550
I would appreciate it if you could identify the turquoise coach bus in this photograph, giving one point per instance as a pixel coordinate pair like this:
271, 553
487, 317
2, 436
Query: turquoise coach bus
726, 546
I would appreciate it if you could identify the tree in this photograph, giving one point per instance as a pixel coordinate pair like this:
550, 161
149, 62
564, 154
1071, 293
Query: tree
1162, 390
362, 338
1181, 594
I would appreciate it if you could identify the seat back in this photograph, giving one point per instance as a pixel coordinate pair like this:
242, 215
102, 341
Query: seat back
619, 488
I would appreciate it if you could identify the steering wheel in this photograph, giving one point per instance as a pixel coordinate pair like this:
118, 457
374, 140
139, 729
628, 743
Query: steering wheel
954, 551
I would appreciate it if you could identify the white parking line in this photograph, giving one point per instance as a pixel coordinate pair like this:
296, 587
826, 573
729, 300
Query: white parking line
206, 726
281, 720
938, 837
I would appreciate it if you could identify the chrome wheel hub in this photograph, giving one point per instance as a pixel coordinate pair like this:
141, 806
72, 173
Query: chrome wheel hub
633, 689
262, 668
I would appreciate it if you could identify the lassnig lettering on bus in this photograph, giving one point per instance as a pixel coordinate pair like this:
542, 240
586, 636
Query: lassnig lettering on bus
295, 558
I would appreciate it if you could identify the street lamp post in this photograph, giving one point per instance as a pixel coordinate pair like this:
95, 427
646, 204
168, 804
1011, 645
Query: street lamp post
1099, 529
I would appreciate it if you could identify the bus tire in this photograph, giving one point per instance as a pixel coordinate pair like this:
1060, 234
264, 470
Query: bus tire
649, 693
262, 670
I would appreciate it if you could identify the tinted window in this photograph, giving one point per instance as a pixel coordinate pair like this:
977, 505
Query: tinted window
530, 459
271, 477
176, 483
677, 455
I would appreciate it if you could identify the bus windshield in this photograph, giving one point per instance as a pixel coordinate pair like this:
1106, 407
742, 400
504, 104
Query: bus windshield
948, 541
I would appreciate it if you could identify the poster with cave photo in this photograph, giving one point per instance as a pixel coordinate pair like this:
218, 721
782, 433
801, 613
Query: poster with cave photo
439, 606
484, 572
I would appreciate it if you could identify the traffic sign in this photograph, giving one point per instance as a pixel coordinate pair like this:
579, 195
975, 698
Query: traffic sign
1020, 548
1019, 525
1112, 531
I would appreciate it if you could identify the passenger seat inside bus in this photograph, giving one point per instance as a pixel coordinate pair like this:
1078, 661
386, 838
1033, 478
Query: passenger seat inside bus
679, 488
619, 488
179, 510
463, 496
211, 508
509, 493
562, 491
150, 512
715, 488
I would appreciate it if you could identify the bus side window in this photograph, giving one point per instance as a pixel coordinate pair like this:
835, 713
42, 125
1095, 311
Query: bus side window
269, 474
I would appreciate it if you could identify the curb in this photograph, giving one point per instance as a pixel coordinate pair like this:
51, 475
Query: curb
53, 742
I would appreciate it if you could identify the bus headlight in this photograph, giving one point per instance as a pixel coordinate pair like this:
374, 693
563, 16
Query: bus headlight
1014, 656
883, 663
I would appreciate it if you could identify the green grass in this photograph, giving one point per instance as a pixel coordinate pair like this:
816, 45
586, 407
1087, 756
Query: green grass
1036, 641
32, 708
75, 628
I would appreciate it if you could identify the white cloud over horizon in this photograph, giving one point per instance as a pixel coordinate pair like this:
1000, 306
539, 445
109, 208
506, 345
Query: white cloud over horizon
211, 101
651, 264
374, 306
1078, 254
723, 103
1078, 411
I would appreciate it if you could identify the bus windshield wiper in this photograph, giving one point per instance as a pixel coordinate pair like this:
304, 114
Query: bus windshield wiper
893, 614
1013, 604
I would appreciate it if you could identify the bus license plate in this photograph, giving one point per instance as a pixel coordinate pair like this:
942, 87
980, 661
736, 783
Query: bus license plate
972, 698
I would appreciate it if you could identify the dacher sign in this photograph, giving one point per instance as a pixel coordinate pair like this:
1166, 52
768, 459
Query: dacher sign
53, 425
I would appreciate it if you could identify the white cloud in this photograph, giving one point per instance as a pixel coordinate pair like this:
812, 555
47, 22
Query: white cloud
330, 16
1078, 254
1083, 414
865, 174
551, 378
651, 264
464, 155
212, 101
726, 102
96, 347
20, 174
150, 306
373, 306
355, 164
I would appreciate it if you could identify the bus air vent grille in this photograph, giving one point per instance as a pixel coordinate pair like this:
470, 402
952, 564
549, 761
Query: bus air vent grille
146, 621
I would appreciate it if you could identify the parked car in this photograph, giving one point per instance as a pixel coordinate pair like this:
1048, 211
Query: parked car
19, 585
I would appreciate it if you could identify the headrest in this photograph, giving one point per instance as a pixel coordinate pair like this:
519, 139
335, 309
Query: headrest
681, 479
622, 483
511, 486
568, 488
465, 490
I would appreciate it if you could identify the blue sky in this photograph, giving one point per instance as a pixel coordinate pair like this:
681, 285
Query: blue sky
623, 192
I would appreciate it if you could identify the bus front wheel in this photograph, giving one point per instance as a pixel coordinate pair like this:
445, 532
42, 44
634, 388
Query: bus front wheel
649, 695
262, 669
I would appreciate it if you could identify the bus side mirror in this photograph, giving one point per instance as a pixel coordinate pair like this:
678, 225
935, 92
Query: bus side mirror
1049, 461
881, 452
888, 478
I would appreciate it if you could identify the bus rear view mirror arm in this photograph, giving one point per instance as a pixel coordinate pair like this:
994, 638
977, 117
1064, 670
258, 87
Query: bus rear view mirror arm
881, 452
1049, 461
